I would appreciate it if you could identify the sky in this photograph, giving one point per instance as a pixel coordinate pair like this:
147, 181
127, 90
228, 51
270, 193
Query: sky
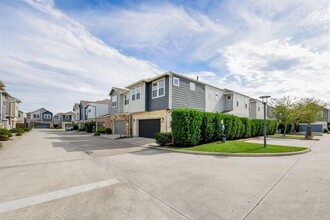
56, 53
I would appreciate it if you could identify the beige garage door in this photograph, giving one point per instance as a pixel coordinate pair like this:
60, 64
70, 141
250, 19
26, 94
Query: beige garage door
120, 127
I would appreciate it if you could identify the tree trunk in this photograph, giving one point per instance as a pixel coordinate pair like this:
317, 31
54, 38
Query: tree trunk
284, 133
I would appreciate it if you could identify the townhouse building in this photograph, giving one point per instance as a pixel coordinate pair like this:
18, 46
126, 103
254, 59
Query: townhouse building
144, 107
41, 118
12, 111
63, 119
90, 111
3, 119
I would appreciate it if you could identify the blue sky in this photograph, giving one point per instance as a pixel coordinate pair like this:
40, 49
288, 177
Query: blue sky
55, 53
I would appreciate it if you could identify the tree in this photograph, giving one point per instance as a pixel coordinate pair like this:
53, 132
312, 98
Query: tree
282, 111
307, 109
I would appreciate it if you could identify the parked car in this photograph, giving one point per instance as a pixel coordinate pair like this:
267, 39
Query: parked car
69, 127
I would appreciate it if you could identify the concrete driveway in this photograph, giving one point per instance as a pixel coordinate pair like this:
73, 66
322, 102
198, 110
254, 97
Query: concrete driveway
51, 174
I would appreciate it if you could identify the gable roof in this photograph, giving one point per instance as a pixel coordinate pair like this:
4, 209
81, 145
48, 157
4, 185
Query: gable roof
42, 110
118, 90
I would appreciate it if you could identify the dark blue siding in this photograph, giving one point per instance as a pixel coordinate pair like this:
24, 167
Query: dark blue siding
315, 128
157, 103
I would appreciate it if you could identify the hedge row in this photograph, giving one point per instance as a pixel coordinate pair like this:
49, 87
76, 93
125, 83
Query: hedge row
192, 127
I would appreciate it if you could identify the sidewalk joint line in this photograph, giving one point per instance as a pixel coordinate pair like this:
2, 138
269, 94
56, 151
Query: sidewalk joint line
278, 181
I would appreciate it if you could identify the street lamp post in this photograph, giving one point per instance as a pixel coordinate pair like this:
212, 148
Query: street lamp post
264, 100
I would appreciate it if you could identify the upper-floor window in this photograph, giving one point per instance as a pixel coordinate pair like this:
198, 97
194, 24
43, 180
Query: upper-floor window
36, 116
158, 89
258, 107
229, 97
126, 98
136, 93
67, 117
246, 105
176, 81
47, 116
192, 86
237, 103
19, 114
114, 101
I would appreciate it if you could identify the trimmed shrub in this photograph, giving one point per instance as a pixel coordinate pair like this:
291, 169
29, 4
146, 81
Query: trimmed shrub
17, 130
101, 130
207, 127
164, 138
108, 130
5, 133
186, 127
89, 126
247, 127
97, 133
325, 130
82, 129
19, 134
231, 126
75, 127
217, 125
26, 129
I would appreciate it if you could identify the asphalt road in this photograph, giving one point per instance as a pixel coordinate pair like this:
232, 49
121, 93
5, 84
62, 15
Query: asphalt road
49, 174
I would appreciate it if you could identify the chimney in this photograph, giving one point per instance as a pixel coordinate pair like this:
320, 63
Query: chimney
197, 78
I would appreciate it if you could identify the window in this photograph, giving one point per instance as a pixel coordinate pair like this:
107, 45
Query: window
126, 98
136, 93
246, 105
192, 86
114, 101
67, 117
229, 97
176, 81
258, 107
89, 110
36, 116
217, 97
19, 114
237, 103
158, 89
47, 116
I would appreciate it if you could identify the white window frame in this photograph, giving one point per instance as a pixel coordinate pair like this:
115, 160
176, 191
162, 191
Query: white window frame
192, 86
157, 88
67, 117
114, 101
135, 92
47, 116
176, 81
36, 116
126, 99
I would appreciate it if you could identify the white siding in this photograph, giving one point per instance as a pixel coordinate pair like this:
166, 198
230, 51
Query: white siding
214, 99
138, 105
240, 110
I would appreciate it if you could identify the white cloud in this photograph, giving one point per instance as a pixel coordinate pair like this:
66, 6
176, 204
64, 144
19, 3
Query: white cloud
49, 60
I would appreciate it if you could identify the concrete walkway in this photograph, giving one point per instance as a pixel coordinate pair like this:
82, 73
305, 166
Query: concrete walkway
50, 175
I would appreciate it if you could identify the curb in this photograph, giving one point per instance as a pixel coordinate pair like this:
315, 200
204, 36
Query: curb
234, 154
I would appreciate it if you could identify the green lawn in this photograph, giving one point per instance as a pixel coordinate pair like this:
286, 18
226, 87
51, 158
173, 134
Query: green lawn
288, 136
241, 147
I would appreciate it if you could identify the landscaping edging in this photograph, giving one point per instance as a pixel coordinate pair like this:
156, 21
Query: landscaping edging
235, 154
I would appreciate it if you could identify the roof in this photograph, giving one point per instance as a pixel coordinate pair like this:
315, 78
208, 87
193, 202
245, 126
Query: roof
40, 109
84, 102
105, 101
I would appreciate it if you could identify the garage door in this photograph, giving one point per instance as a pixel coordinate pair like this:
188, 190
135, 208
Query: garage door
120, 127
41, 125
149, 127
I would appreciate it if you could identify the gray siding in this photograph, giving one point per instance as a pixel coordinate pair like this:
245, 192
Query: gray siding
114, 110
183, 97
153, 104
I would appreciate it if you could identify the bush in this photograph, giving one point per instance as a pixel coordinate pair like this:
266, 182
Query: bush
89, 126
17, 130
5, 133
247, 127
26, 129
186, 127
207, 127
19, 134
82, 129
101, 130
164, 138
97, 133
108, 131
325, 130
75, 127
231, 126
217, 125
56, 126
